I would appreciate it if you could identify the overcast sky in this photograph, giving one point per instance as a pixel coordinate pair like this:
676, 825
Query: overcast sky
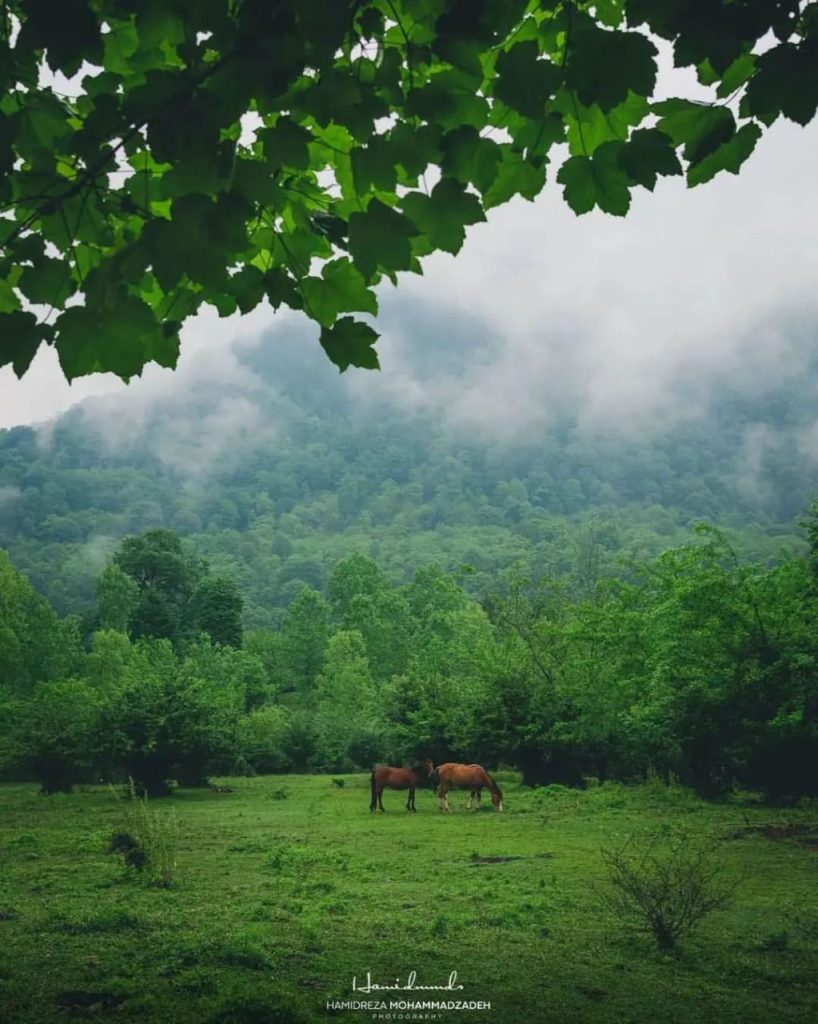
691, 283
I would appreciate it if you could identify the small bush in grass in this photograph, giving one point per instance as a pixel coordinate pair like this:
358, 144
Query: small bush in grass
146, 838
669, 884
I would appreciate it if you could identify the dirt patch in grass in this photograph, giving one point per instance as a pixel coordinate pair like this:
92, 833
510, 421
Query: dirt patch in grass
79, 1001
479, 861
799, 831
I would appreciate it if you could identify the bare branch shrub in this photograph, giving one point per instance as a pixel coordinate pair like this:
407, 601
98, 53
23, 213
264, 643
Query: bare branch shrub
668, 884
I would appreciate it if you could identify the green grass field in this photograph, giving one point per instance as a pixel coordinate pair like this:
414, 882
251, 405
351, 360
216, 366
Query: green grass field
287, 887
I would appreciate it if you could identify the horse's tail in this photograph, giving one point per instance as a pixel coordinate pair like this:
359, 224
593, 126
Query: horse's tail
496, 792
373, 798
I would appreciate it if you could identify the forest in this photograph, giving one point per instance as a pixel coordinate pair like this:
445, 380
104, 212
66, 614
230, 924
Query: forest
361, 581
276, 469
700, 669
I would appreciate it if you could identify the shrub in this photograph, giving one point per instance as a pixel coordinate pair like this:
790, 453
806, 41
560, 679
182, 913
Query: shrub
146, 838
56, 734
668, 884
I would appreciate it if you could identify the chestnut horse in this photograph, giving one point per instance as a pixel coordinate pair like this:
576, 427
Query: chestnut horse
466, 776
385, 777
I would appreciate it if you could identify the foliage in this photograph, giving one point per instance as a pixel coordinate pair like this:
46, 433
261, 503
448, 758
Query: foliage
217, 608
669, 886
167, 580
168, 719
692, 665
263, 739
34, 644
229, 153
56, 734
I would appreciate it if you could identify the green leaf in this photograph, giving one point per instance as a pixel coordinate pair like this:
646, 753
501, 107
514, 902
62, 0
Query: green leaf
20, 337
379, 238
49, 282
340, 289
9, 299
736, 75
119, 339
596, 181
647, 154
444, 216
285, 145
68, 36
525, 81
373, 166
515, 176
603, 66
590, 127
786, 82
699, 128
349, 343
728, 157
468, 158
248, 288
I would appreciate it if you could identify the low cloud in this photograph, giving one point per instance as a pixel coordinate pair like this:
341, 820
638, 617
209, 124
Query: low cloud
9, 493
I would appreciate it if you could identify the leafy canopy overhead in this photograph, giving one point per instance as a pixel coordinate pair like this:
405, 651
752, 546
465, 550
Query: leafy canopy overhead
228, 151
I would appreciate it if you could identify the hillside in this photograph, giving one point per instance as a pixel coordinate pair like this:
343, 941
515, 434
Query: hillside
274, 467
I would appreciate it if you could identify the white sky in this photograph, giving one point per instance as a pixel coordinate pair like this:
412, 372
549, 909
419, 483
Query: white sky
692, 281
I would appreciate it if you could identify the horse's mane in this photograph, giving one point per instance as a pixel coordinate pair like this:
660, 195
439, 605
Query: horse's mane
495, 789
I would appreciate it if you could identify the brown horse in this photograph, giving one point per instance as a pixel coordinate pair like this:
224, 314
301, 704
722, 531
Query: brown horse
385, 777
473, 777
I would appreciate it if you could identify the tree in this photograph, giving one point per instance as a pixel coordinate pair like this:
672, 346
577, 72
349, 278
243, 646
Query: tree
150, 192
166, 578
217, 609
301, 642
35, 645
346, 717
117, 598
57, 734
168, 722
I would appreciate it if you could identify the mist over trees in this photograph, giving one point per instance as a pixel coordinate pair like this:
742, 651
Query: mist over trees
275, 472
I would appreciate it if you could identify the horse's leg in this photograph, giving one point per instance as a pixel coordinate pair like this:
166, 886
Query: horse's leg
410, 800
380, 800
471, 797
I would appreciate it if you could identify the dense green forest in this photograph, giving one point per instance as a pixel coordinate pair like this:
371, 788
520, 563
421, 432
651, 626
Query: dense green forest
278, 469
312, 579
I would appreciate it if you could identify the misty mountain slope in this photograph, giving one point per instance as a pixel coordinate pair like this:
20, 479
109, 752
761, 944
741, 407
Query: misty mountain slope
274, 466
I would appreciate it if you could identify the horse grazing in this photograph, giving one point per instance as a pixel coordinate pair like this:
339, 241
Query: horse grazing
466, 776
385, 777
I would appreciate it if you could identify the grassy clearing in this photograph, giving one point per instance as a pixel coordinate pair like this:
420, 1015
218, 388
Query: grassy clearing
286, 887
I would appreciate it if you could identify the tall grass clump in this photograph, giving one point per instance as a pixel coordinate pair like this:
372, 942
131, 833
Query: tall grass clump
667, 883
146, 838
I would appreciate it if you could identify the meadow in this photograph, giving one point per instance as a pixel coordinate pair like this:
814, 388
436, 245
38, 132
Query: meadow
286, 887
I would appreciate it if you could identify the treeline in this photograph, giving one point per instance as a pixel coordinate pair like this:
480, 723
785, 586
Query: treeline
697, 666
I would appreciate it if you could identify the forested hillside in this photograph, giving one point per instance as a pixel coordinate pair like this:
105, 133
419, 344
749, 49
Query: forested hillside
275, 467
273, 568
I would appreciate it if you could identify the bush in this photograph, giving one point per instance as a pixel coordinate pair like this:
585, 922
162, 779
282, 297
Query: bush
146, 838
669, 885
263, 738
55, 734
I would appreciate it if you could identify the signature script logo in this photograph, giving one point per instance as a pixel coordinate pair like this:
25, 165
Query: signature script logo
410, 985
